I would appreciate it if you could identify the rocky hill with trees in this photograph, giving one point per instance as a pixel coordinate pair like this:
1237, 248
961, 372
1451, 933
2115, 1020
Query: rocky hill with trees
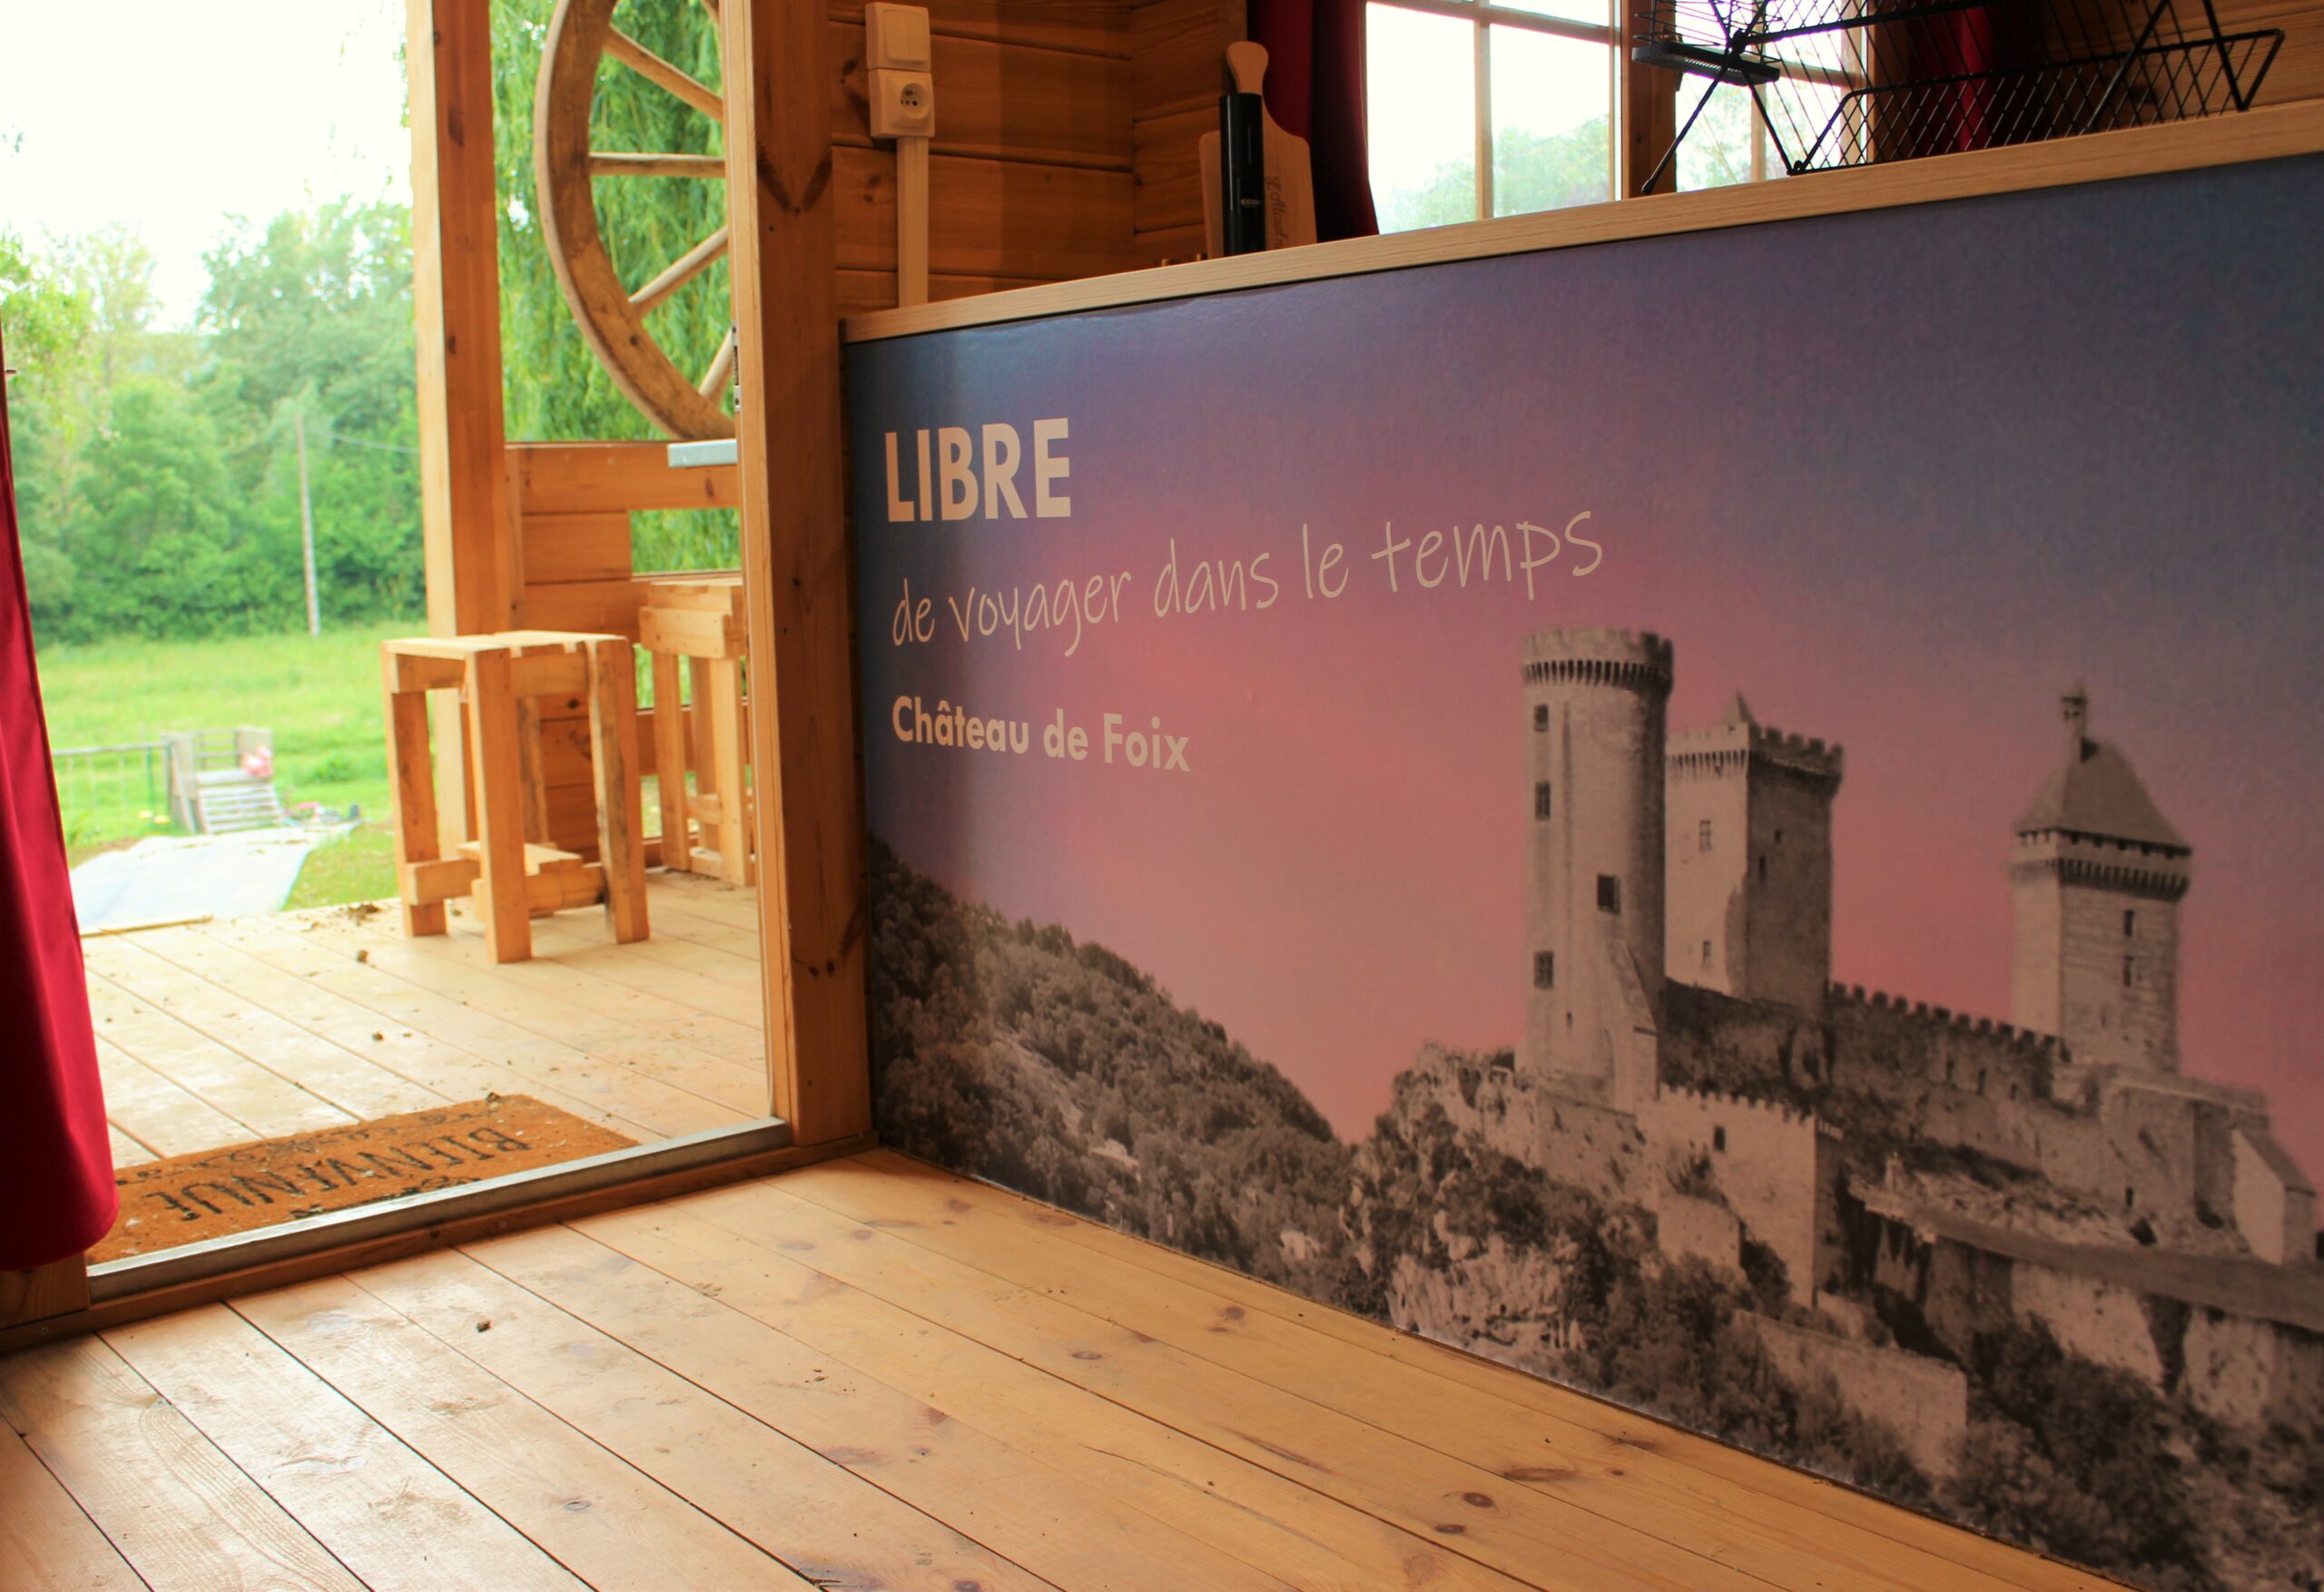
1012, 1052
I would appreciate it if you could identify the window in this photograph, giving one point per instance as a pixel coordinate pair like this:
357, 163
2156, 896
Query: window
1541, 718
2130, 924
1541, 799
1706, 956
1610, 894
1482, 108
1702, 836
1545, 970
1719, 1139
1731, 142
2130, 972
1763, 868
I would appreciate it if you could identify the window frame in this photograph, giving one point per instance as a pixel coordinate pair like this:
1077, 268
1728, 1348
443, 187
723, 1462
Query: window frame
1485, 17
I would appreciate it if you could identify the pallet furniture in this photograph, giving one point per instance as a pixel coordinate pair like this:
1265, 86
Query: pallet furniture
510, 874
700, 622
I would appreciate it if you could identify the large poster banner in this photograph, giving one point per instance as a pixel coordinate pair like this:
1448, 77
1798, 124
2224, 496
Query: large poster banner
1731, 820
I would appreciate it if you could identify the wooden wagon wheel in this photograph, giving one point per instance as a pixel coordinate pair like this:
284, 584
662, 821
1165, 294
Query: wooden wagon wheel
612, 316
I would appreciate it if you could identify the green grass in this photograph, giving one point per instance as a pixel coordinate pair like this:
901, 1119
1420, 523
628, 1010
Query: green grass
318, 695
359, 866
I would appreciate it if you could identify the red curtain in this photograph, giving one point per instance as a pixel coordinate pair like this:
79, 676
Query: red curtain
1315, 88
56, 1189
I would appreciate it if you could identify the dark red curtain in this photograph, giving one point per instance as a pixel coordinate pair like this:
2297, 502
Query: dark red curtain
56, 1188
1315, 88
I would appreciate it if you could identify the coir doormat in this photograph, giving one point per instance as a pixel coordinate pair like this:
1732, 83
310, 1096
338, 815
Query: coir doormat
212, 1193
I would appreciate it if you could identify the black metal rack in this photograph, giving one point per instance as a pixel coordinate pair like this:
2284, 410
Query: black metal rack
1850, 83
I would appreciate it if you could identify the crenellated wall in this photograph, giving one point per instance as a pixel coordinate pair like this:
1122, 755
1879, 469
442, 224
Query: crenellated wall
1774, 1167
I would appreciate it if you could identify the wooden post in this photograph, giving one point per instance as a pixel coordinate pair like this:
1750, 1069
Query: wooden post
419, 838
466, 528
502, 896
59, 1288
613, 749
725, 724
670, 764
811, 908
1650, 122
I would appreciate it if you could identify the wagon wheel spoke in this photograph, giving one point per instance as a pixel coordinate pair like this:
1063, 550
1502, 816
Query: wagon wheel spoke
679, 272
663, 75
611, 312
636, 164
722, 368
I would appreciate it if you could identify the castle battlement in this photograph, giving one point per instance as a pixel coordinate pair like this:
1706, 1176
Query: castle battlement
2101, 862
1993, 1029
1730, 748
1637, 659
1735, 1108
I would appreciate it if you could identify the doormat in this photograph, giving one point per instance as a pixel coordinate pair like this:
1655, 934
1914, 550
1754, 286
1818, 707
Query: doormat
212, 1193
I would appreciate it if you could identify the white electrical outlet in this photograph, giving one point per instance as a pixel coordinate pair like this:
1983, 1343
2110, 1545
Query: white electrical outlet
903, 104
895, 38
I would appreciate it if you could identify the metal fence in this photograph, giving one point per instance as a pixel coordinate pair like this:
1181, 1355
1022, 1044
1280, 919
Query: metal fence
110, 792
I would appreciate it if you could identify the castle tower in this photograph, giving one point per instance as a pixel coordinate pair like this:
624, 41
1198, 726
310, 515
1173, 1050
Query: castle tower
1594, 729
1748, 861
2095, 876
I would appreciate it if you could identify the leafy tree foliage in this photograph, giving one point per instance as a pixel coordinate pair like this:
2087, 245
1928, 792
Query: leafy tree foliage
158, 470
555, 386
1531, 171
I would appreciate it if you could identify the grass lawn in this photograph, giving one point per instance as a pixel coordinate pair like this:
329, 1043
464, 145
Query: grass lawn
359, 866
318, 695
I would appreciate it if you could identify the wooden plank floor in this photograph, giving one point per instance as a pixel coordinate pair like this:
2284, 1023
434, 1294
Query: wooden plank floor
241, 1029
870, 1374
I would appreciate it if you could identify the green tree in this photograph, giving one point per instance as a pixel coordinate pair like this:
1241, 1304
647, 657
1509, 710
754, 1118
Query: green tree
154, 547
556, 389
312, 317
45, 325
1531, 171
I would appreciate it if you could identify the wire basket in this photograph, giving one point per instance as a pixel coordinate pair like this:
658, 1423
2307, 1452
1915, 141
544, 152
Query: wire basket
1850, 83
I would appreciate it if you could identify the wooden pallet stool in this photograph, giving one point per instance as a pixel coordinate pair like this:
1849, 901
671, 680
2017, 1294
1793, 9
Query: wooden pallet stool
699, 621
512, 877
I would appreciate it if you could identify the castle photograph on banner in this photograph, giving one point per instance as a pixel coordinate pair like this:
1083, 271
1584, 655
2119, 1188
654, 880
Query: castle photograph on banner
1727, 819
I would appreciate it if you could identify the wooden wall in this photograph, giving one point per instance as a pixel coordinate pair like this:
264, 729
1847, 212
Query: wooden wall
1177, 69
1030, 175
2299, 70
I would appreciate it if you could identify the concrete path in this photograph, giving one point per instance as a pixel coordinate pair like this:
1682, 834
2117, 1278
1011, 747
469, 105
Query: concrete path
169, 878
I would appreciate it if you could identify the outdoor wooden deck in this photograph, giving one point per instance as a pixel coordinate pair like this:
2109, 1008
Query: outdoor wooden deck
242, 1029
867, 1374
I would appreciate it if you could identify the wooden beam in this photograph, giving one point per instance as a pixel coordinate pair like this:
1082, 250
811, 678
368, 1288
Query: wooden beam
2269, 133
780, 202
466, 532
173, 1281
56, 1289
1650, 122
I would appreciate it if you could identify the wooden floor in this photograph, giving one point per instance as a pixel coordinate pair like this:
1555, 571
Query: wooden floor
253, 1027
868, 1374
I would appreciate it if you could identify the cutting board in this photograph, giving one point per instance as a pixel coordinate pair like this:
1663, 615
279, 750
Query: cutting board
1290, 180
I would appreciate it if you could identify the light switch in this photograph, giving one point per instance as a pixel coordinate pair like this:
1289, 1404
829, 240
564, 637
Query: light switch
896, 38
903, 104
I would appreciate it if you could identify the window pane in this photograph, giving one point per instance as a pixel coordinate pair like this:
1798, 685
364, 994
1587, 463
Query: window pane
1597, 11
1551, 138
1420, 107
1718, 147
1802, 113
